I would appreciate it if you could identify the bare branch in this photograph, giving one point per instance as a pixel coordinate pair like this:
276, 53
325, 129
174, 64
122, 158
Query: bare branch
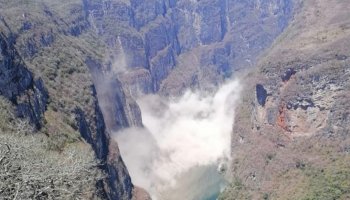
28, 170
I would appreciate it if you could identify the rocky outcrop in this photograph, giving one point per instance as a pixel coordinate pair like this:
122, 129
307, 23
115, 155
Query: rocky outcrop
287, 144
261, 94
44, 74
12, 68
153, 36
288, 74
118, 108
18, 85
117, 184
33, 103
115, 111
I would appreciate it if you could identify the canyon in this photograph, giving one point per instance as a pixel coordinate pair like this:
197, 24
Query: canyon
175, 99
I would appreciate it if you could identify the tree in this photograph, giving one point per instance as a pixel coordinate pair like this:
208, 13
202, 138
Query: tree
28, 170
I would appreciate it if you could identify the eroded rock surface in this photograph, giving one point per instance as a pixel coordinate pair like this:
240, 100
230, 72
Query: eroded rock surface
290, 148
154, 38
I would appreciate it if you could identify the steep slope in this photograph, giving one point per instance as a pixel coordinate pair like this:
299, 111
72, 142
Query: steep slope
16, 80
171, 45
67, 67
47, 55
291, 137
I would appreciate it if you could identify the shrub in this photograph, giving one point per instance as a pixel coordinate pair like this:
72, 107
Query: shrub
28, 170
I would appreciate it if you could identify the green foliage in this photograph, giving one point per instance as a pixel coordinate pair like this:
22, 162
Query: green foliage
235, 191
329, 183
53, 163
60, 62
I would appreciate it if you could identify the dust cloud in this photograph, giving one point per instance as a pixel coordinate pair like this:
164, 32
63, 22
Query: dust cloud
183, 140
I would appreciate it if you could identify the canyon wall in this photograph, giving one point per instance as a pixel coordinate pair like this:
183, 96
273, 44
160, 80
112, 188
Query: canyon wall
48, 62
291, 135
72, 68
171, 45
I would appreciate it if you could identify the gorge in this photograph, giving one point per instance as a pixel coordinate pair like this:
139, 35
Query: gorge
184, 141
174, 99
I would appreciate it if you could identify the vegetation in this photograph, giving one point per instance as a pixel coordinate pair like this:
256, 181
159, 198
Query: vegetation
6, 115
330, 183
30, 169
236, 191
54, 162
310, 159
45, 42
321, 181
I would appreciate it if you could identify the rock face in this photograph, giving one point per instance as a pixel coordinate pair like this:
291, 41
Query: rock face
155, 37
49, 61
114, 111
120, 110
18, 85
287, 145
118, 183
261, 94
